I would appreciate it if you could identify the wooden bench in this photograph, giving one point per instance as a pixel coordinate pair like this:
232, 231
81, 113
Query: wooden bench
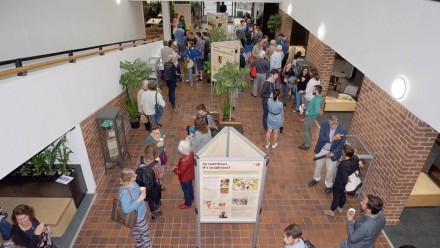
425, 193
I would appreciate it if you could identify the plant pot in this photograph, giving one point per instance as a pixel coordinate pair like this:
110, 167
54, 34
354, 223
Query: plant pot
135, 124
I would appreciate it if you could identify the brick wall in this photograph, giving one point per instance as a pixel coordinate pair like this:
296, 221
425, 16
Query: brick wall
286, 24
400, 143
91, 137
321, 57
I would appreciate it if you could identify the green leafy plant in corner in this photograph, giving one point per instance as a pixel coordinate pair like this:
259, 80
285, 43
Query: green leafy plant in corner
229, 78
131, 79
274, 23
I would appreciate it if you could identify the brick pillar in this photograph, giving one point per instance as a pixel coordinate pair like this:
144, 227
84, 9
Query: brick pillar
286, 24
91, 137
400, 143
322, 58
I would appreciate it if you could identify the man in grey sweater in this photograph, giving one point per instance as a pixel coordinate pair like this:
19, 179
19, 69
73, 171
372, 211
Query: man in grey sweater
363, 232
262, 65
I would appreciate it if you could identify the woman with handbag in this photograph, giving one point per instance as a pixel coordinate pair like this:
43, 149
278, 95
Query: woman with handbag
201, 136
345, 169
152, 102
132, 199
27, 231
190, 54
157, 137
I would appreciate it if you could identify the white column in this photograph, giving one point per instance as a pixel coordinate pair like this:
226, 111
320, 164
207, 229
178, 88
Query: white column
166, 20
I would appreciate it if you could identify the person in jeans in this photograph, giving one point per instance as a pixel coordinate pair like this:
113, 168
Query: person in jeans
185, 170
170, 76
191, 53
262, 65
5, 230
311, 113
364, 231
266, 92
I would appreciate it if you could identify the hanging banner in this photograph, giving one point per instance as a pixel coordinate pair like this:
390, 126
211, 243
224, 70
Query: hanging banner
230, 190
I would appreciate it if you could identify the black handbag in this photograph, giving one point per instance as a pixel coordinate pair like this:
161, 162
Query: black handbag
126, 219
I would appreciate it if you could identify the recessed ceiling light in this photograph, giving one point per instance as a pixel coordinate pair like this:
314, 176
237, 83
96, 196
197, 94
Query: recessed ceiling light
321, 32
399, 88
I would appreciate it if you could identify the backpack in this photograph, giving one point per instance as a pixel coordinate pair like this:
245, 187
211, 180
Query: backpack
307, 243
214, 131
145, 177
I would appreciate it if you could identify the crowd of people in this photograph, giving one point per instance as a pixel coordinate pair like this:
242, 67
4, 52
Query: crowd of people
276, 81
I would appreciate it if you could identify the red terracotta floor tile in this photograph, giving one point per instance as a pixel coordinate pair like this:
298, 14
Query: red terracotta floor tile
287, 199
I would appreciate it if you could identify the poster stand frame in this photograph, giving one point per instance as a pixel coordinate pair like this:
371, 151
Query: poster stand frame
256, 221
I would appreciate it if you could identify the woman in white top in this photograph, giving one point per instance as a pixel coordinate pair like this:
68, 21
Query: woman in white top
149, 99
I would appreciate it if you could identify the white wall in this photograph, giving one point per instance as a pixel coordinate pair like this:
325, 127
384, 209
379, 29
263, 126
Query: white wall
30, 28
383, 39
42, 106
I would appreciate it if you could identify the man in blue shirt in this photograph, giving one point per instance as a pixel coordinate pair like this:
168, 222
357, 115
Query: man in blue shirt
179, 35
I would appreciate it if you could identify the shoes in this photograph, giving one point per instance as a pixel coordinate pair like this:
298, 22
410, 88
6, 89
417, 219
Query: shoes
156, 215
339, 210
328, 190
312, 183
274, 145
183, 206
8, 244
329, 213
253, 95
173, 106
267, 146
304, 147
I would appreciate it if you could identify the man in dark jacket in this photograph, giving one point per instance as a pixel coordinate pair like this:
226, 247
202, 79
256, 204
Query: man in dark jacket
262, 66
170, 76
266, 92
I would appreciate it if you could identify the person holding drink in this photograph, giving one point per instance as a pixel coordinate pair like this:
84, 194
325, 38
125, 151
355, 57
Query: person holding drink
132, 198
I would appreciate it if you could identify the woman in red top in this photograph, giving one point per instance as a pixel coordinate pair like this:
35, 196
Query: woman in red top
185, 170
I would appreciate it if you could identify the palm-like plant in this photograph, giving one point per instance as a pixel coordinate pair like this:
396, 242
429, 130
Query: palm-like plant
274, 23
229, 78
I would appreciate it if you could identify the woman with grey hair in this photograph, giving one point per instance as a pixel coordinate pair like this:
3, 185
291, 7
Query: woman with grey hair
185, 170
149, 99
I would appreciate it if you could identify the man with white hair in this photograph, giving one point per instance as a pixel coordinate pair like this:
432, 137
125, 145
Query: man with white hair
276, 58
262, 66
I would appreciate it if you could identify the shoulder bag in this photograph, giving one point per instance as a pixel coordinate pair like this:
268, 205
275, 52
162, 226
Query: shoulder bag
354, 183
158, 109
129, 219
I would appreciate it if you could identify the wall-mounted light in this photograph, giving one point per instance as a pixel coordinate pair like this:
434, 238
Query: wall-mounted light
399, 88
321, 32
118, 2
289, 9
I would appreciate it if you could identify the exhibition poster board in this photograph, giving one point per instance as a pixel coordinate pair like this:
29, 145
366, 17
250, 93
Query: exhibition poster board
217, 20
229, 185
221, 53
230, 190
185, 10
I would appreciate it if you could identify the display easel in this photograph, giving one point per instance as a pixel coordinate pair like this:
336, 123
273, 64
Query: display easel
230, 178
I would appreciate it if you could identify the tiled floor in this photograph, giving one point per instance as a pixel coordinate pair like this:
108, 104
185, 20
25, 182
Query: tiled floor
287, 199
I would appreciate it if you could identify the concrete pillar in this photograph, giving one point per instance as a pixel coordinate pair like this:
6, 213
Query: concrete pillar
166, 20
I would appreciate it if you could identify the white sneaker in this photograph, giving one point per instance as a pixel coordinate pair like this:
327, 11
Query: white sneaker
339, 210
274, 145
267, 146
9, 244
329, 213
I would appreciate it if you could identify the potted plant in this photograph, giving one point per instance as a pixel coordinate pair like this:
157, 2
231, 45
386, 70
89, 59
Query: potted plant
219, 34
135, 72
207, 68
229, 78
274, 23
